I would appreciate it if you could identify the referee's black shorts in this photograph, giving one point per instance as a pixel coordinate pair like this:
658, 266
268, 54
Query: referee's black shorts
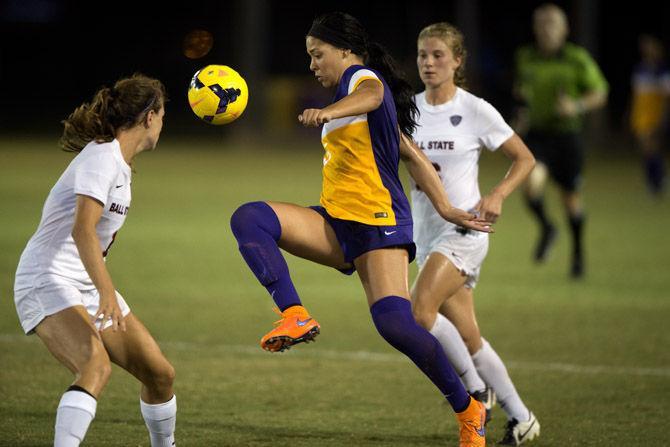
562, 153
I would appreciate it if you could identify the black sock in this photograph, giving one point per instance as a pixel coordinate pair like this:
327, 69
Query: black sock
536, 205
577, 227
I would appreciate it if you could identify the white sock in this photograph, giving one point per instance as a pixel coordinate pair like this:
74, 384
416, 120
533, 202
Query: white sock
457, 353
491, 368
75, 412
161, 420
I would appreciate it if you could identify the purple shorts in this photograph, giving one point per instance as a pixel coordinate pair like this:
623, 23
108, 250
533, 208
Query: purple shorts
356, 238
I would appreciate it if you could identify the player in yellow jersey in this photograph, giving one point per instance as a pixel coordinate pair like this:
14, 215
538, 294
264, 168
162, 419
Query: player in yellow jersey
649, 113
363, 222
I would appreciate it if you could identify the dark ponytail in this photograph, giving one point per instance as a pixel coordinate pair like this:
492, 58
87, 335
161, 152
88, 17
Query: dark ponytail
112, 109
403, 94
345, 31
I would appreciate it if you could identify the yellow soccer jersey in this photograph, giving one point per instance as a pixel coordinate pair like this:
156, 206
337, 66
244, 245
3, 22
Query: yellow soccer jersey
651, 90
360, 164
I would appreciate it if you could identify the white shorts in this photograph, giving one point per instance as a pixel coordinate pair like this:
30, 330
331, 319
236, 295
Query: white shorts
467, 253
34, 305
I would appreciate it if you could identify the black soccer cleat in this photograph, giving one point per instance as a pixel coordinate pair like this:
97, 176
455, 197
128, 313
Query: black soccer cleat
577, 268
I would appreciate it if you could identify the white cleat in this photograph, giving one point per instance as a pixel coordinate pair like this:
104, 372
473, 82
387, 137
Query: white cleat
516, 433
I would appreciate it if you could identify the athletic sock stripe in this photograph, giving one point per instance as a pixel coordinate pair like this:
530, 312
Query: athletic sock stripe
80, 389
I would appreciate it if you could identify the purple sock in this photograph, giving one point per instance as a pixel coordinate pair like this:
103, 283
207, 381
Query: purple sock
257, 230
393, 319
655, 168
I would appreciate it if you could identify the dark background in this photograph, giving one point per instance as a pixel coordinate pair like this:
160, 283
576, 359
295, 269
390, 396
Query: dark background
55, 54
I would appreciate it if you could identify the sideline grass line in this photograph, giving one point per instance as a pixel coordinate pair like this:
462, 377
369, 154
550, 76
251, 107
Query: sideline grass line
367, 356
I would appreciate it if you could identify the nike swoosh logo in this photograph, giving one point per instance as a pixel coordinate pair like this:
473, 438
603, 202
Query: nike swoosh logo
118, 186
388, 233
526, 432
482, 430
302, 322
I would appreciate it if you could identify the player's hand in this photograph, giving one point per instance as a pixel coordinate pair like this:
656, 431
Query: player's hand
467, 220
489, 207
567, 106
314, 117
110, 310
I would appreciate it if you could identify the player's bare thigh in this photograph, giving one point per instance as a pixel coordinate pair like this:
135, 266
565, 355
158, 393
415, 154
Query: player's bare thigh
306, 234
136, 351
73, 340
383, 272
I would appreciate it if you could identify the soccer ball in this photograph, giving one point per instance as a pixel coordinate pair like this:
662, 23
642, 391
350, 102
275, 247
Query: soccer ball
218, 94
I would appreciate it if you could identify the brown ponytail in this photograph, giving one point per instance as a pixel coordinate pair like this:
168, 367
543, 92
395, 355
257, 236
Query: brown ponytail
112, 109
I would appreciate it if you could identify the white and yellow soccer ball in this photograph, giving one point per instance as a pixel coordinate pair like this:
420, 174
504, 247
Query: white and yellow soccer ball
218, 94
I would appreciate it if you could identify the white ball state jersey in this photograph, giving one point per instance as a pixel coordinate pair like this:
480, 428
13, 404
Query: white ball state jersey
452, 136
98, 171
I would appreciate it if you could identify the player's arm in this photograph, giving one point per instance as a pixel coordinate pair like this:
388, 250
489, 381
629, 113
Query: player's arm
490, 206
425, 176
87, 214
591, 100
367, 97
594, 94
594, 99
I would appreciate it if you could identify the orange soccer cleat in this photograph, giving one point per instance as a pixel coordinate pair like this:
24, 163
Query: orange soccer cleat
295, 326
471, 422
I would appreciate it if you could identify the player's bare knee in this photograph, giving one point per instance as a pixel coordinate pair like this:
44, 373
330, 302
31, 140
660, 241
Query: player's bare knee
424, 317
167, 375
96, 364
473, 343
105, 371
160, 378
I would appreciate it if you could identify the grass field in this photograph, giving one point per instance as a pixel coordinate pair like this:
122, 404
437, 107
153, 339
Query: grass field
590, 358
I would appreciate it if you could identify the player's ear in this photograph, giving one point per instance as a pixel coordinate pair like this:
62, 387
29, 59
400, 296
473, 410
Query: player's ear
148, 119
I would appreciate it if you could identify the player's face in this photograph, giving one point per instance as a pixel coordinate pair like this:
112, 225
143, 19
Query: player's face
326, 61
550, 29
651, 49
436, 62
155, 123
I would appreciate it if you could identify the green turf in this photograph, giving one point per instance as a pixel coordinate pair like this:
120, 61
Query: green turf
591, 359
